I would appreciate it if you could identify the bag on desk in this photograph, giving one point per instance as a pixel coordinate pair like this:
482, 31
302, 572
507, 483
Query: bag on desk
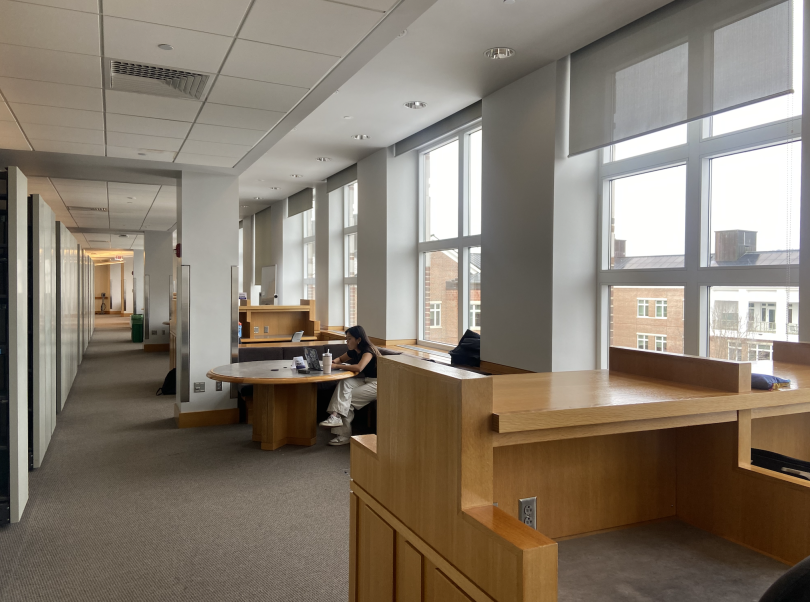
468, 352
779, 463
767, 382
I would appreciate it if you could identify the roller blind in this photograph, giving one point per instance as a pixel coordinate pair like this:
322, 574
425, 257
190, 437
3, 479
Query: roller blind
300, 202
687, 60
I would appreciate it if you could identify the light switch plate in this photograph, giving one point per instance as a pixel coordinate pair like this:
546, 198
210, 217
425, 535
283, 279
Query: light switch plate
199, 387
527, 511
266, 329
154, 332
255, 330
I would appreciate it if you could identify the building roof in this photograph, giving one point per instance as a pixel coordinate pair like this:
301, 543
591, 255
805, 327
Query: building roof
654, 262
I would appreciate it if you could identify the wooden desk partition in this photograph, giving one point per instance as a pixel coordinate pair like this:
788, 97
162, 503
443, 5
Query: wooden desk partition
280, 321
599, 449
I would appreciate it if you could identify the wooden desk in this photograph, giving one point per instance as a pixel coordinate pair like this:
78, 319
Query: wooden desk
279, 321
284, 339
599, 449
284, 401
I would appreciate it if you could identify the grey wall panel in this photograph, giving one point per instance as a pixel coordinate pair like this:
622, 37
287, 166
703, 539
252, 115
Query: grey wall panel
18, 339
44, 335
68, 313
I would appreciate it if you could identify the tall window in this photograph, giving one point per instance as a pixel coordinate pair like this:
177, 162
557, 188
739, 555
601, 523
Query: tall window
309, 253
450, 237
350, 253
700, 232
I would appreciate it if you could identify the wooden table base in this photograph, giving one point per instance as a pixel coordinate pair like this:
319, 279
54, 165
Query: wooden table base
285, 415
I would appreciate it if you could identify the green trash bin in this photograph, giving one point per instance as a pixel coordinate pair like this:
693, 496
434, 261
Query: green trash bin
136, 322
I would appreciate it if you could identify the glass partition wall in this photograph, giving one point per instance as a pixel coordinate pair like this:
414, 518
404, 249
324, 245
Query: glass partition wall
699, 237
450, 237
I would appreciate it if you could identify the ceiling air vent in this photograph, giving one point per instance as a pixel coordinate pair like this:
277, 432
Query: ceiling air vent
141, 78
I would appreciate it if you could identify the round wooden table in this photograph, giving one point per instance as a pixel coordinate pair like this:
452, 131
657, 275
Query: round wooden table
284, 401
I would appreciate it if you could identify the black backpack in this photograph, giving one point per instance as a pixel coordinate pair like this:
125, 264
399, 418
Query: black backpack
468, 352
169, 384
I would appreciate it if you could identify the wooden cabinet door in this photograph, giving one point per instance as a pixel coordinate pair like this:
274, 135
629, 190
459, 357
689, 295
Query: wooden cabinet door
375, 566
409, 572
447, 591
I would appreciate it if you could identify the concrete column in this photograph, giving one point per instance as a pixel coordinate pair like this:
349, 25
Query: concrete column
158, 255
128, 268
208, 232
329, 256
248, 254
137, 266
387, 253
539, 213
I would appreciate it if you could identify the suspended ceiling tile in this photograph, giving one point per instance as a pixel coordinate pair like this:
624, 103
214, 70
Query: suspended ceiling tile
138, 41
209, 160
87, 6
89, 120
167, 197
315, 25
127, 188
51, 28
14, 142
216, 149
255, 95
212, 16
62, 134
143, 105
5, 114
143, 142
215, 133
9, 129
50, 66
129, 124
50, 94
140, 153
379, 5
239, 117
277, 64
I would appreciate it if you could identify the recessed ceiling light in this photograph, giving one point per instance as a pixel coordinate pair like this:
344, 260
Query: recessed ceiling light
415, 104
324, 159
274, 188
402, 33
122, 236
296, 175
142, 154
262, 180
499, 53
244, 206
361, 136
257, 198
165, 46
131, 198
348, 117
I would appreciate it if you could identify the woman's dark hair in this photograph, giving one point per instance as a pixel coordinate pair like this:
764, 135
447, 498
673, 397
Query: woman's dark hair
358, 332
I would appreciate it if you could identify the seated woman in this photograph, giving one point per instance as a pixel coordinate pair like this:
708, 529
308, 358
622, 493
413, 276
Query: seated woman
352, 393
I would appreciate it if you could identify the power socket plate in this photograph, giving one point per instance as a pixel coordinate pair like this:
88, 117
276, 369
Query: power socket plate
527, 511
219, 385
199, 387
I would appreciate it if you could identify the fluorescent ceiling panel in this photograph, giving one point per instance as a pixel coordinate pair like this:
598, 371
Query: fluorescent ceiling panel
142, 105
50, 66
255, 95
239, 117
137, 41
209, 160
130, 124
50, 94
215, 133
88, 120
212, 16
50, 28
276, 64
315, 25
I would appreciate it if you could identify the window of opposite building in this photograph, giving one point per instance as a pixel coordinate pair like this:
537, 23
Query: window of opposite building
450, 237
350, 220
309, 253
700, 229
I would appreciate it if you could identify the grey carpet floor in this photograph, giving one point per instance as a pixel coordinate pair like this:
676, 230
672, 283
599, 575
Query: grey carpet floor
662, 562
127, 507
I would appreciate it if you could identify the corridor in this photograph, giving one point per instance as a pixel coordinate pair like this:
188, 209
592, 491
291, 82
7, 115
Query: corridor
128, 507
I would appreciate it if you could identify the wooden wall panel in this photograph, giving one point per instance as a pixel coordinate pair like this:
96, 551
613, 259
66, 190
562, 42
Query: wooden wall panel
590, 484
409, 572
788, 435
375, 560
752, 509
445, 590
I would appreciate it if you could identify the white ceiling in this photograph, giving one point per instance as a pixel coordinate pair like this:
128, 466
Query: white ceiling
263, 57
130, 208
439, 61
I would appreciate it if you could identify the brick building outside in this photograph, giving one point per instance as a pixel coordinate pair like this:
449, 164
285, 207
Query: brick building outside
442, 296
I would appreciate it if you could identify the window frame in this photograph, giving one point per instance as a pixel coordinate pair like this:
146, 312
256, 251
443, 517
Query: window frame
696, 276
347, 230
305, 241
462, 243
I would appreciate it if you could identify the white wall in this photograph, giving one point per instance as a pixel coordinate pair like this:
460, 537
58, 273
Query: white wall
116, 303
67, 313
138, 264
248, 254
158, 257
44, 332
329, 256
274, 247
387, 277
538, 231
208, 210
18, 339
129, 267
